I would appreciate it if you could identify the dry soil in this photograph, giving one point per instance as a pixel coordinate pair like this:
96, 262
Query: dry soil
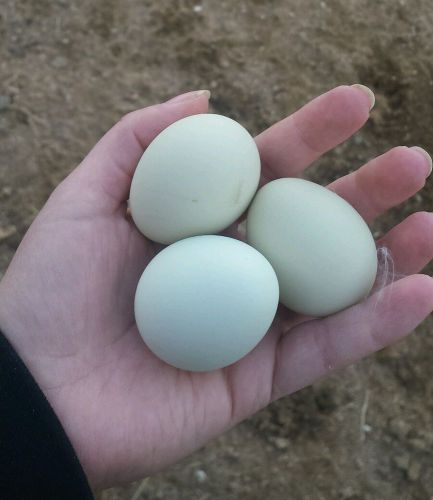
69, 69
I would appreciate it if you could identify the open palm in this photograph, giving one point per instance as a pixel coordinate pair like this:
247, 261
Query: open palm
66, 301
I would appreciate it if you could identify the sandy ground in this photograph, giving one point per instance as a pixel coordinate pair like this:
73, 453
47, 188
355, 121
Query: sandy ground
70, 69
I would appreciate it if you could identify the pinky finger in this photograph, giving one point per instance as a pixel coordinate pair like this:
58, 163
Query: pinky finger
410, 243
315, 348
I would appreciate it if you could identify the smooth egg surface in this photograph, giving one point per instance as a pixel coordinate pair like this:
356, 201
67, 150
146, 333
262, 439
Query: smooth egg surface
204, 302
321, 249
196, 177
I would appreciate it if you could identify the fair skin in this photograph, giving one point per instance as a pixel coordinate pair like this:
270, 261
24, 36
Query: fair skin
66, 301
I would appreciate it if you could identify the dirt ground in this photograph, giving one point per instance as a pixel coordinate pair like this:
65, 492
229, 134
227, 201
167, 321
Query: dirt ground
70, 68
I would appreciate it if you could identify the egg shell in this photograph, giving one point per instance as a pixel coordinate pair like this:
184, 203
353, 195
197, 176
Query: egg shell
196, 177
205, 302
319, 246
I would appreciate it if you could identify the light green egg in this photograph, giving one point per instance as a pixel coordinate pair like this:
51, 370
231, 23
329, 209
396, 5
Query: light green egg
321, 249
197, 177
205, 302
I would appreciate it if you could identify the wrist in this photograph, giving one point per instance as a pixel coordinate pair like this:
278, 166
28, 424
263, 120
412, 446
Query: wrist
36, 454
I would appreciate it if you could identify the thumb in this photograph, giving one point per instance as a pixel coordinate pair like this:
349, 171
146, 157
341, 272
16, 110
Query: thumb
106, 172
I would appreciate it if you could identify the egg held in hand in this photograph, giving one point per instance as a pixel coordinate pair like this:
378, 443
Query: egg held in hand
205, 302
196, 177
321, 249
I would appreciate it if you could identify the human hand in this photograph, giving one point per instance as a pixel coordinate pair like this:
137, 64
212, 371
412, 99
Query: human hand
66, 301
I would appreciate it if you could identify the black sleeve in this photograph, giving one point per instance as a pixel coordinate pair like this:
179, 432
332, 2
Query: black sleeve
37, 461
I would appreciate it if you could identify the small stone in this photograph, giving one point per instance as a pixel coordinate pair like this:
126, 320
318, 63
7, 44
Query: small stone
402, 462
414, 471
399, 427
7, 190
358, 139
225, 63
232, 457
281, 443
197, 8
6, 232
59, 62
200, 475
419, 444
347, 492
5, 102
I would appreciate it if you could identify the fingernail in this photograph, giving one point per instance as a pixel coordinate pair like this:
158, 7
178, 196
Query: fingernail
189, 96
368, 92
426, 156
